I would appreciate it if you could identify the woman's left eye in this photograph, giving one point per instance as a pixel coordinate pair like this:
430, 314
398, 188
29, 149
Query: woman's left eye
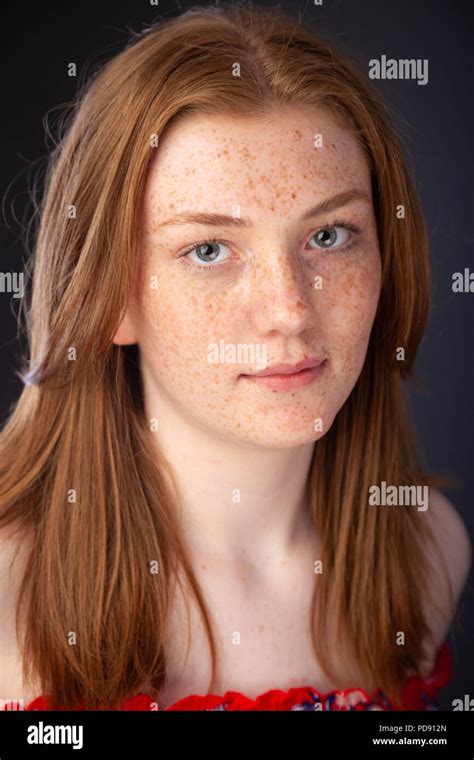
333, 236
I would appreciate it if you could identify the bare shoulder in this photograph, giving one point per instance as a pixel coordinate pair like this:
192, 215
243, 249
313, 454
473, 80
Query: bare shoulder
9, 582
12, 554
10, 576
449, 572
453, 538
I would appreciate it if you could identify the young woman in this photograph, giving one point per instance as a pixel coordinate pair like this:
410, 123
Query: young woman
230, 285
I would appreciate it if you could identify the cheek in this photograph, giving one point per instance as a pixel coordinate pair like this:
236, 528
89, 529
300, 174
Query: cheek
352, 304
179, 320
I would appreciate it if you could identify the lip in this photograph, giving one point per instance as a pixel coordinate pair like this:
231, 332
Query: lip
286, 377
286, 368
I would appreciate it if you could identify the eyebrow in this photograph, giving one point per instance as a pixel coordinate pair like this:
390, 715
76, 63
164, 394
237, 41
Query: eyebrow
223, 220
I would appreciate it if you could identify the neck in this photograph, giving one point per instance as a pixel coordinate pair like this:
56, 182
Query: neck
240, 503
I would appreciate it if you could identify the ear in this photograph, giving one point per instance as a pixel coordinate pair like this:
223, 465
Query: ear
125, 334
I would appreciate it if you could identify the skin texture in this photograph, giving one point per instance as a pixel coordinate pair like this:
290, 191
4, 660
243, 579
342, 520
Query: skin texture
221, 431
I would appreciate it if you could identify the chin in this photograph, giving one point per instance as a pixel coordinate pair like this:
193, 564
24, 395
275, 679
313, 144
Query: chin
281, 438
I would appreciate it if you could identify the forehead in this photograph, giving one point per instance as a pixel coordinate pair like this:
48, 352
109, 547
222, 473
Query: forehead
293, 152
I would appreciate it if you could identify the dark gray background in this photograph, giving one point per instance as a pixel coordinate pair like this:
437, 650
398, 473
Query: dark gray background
39, 40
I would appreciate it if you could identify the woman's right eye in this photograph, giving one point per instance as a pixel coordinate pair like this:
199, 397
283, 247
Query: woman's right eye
203, 254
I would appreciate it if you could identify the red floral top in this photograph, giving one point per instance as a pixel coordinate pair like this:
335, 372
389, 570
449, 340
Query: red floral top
418, 694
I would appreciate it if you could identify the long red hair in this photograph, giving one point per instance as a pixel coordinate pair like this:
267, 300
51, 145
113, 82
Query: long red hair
93, 506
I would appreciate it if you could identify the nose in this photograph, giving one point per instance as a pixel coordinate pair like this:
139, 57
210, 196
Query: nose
282, 293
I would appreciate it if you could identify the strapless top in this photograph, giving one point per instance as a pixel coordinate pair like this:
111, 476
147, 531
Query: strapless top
418, 694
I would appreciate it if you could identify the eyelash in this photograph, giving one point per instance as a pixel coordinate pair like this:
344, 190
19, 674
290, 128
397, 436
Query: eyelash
208, 241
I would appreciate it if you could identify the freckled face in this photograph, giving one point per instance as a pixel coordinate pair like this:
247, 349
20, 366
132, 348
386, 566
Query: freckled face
290, 286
